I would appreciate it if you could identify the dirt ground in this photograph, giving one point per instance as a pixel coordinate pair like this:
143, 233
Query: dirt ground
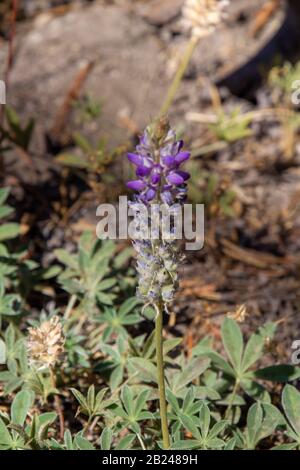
129, 51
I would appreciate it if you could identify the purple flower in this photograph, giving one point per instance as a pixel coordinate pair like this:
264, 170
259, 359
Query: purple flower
158, 159
137, 185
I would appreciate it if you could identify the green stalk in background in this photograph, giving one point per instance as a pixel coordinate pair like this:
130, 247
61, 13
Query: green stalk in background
179, 75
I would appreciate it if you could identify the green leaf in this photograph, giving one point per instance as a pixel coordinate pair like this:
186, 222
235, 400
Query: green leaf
218, 428
4, 192
82, 142
190, 425
204, 420
106, 439
221, 363
192, 371
185, 445
254, 421
291, 406
272, 418
82, 443
106, 284
145, 368
278, 373
171, 344
127, 398
68, 440
253, 351
69, 159
23, 401
126, 442
128, 306
6, 441
80, 398
5, 211
116, 377
8, 231
233, 342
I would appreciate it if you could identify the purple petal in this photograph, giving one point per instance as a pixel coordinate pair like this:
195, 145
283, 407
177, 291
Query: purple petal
143, 171
150, 194
168, 161
175, 178
184, 174
182, 157
156, 175
135, 159
136, 185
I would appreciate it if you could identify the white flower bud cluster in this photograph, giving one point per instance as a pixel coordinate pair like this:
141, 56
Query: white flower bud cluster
201, 17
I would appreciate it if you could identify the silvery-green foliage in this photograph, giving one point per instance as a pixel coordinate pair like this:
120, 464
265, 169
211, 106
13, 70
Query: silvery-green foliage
206, 432
116, 320
239, 368
291, 406
17, 433
262, 421
77, 442
215, 400
94, 404
87, 273
132, 409
90, 273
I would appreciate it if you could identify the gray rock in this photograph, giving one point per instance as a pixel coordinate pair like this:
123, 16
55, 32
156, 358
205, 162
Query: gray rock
128, 67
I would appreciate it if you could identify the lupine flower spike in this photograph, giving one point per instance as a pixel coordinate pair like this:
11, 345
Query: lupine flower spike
45, 344
160, 180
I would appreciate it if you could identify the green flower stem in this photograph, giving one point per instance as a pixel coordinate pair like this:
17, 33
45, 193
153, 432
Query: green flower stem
179, 75
161, 377
70, 306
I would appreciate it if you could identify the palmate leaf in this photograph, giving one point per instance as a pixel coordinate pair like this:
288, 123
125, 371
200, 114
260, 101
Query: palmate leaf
88, 272
262, 420
204, 436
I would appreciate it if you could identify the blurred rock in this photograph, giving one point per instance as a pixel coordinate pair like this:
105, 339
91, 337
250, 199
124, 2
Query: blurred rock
161, 12
128, 66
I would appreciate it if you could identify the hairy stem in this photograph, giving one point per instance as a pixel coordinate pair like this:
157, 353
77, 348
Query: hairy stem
232, 398
57, 403
70, 306
161, 377
179, 75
